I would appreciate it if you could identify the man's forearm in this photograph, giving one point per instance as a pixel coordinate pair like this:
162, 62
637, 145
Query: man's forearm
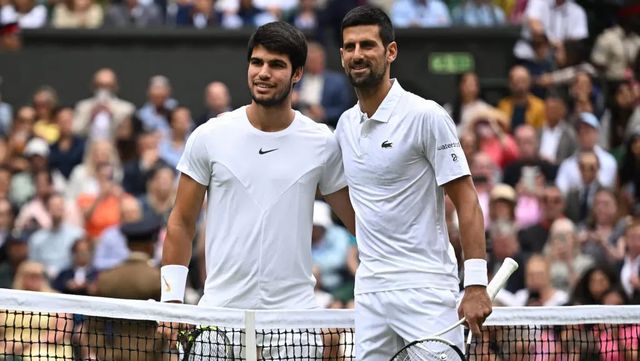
177, 244
472, 236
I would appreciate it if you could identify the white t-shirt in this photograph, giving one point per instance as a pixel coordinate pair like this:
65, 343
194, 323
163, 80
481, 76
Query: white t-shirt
569, 174
261, 189
395, 164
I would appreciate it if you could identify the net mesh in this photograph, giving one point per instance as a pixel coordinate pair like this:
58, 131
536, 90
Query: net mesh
39, 326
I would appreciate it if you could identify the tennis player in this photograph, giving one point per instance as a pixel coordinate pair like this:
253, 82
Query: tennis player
260, 166
401, 154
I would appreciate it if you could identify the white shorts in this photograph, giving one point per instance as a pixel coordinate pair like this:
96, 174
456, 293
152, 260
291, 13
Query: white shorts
386, 321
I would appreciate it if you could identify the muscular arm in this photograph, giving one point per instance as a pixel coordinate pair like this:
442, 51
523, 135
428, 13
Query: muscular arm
181, 226
341, 205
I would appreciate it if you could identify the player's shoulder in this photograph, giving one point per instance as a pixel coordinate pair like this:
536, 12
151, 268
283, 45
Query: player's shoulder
423, 109
221, 122
349, 116
308, 125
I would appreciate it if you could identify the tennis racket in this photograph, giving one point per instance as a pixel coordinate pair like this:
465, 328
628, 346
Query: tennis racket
435, 348
204, 344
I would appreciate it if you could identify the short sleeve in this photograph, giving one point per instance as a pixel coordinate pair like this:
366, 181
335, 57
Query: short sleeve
332, 177
194, 161
442, 146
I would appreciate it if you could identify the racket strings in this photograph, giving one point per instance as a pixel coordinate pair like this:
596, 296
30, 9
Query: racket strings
429, 350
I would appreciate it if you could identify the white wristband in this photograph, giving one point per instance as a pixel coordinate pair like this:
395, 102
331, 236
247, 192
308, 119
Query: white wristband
475, 272
173, 279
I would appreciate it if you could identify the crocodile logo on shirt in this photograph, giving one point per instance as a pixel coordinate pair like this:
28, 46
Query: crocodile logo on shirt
386, 144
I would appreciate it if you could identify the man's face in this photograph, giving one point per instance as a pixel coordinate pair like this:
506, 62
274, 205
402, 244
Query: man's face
527, 140
364, 57
552, 203
587, 136
519, 81
555, 110
588, 166
270, 77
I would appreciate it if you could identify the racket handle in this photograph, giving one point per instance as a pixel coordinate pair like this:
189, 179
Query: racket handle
500, 278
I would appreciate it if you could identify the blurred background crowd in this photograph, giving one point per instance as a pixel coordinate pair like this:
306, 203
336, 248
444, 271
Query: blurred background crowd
556, 161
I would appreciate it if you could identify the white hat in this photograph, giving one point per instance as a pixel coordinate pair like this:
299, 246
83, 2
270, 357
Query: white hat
322, 214
37, 146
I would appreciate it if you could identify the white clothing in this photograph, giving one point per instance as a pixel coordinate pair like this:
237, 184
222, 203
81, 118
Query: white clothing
520, 298
549, 141
261, 189
311, 89
392, 319
630, 267
36, 18
569, 175
395, 164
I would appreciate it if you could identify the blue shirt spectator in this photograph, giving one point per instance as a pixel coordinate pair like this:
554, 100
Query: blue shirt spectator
420, 13
478, 13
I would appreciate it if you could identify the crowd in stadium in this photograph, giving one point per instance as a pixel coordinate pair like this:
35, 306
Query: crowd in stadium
556, 162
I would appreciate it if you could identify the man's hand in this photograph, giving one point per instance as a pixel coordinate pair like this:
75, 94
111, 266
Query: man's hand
475, 307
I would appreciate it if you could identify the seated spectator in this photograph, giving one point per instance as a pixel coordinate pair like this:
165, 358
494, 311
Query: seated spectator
588, 133
101, 209
6, 226
541, 65
558, 140
246, 14
502, 204
593, 285
503, 243
321, 94
136, 170
567, 261
478, 13
10, 39
80, 277
521, 106
601, 235
26, 13
160, 196
45, 101
21, 131
484, 175
580, 198
615, 49
77, 14
629, 170
154, 114
199, 14
630, 272
539, 290
420, 13
468, 101
83, 178
490, 126
217, 101
52, 246
172, 146
17, 251
68, 151
133, 13
100, 116
111, 249
584, 96
305, 16
533, 238
616, 121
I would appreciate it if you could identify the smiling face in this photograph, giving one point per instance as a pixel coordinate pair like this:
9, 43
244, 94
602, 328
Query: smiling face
271, 77
365, 59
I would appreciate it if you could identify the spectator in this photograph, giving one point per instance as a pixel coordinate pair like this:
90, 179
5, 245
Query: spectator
533, 238
616, 120
539, 290
483, 172
321, 94
26, 13
542, 64
246, 14
10, 39
6, 225
478, 13
629, 173
101, 210
80, 277
160, 196
502, 203
561, 21
306, 16
83, 177
601, 235
199, 14
111, 249
68, 151
521, 106
217, 101
133, 13
34, 214
468, 101
52, 246
45, 101
154, 114
77, 14
21, 130
6, 110
420, 13
588, 133
172, 146
503, 243
584, 97
489, 126
630, 272
558, 140
136, 170
615, 49
580, 197
567, 262
17, 251
100, 116
593, 285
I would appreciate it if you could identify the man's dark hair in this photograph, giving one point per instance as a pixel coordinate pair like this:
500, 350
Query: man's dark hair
370, 15
282, 38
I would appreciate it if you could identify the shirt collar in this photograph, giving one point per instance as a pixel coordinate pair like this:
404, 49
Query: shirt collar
385, 109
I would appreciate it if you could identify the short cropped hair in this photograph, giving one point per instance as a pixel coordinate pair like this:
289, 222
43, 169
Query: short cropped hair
370, 15
283, 38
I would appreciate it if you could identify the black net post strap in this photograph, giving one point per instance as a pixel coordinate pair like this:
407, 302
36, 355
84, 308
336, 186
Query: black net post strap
40, 326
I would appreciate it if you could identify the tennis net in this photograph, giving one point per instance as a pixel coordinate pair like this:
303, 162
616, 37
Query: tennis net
42, 326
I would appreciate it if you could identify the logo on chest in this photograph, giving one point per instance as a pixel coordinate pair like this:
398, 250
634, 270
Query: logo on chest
386, 144
266, 151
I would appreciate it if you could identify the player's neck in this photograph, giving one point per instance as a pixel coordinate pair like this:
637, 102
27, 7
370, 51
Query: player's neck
371, 98
270, 119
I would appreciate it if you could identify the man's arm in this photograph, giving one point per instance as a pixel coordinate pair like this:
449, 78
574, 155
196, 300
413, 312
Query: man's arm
341, 205
181, 226
475, 305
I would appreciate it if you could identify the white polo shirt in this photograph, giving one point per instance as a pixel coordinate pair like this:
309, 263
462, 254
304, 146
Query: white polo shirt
395, 164
261, 189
